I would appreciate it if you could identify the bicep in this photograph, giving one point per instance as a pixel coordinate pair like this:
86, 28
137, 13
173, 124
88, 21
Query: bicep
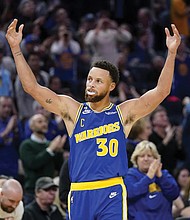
140, 107
48, 99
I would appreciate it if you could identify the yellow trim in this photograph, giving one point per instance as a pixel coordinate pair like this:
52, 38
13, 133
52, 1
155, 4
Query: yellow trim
69, 204
96, 184
108, 107
78, 113
104, 109
77, 117
120, 114
124, 195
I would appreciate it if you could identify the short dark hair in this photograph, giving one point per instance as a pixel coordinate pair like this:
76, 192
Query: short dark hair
113, 70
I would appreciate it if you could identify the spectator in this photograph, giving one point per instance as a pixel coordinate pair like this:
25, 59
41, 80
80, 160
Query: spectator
11, 206
183, 180
164, 137
6, 87
26, 12
103, 40
65, 51
11, 135
186, 134
139, 61
145, 22
151, 190
181, 81
22, 98
39, 156
140, 131
42, 207
180, 15
30, 44
55, 127
177, 207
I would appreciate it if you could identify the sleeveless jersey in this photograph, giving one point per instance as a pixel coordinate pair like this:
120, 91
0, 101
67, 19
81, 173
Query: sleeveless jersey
97, 145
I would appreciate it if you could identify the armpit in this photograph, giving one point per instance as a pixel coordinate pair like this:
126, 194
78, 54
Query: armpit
66, 116
130, 119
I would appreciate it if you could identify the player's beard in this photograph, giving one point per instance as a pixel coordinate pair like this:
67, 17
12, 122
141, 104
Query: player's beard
95, 98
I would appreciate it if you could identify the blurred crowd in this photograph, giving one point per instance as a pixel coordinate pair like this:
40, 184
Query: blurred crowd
61, 40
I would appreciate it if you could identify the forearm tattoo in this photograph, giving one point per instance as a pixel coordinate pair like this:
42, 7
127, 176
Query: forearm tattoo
49, 101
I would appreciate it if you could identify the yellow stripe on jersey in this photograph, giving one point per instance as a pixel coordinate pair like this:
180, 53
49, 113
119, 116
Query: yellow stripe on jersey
78, 113
120, 114
69, 204
77, 116
124, 196
96, 184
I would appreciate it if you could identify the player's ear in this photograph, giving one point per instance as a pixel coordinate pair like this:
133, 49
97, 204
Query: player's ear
112, 86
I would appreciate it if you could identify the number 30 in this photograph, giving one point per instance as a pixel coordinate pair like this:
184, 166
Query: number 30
105, 148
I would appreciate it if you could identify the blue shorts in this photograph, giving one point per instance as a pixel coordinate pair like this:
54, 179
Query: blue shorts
98, 200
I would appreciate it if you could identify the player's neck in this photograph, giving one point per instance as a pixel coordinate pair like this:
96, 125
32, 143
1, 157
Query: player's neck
99, 106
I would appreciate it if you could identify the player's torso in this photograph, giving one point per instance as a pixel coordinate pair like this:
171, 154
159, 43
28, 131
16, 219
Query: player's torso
98, 145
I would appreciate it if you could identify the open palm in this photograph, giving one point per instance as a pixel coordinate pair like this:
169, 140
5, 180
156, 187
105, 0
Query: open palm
13, 37
172, 41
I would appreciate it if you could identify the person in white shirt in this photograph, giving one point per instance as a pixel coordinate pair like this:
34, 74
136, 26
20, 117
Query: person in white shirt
11, 205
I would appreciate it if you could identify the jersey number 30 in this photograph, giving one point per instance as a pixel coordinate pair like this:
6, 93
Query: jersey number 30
105, 147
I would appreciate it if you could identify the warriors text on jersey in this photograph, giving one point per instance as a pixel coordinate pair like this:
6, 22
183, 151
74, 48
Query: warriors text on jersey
98, 145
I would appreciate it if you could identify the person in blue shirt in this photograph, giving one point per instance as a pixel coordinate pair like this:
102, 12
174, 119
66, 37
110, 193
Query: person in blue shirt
151, 190
11, 135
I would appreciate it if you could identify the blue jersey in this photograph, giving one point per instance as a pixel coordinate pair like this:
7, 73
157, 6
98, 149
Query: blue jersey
97, 145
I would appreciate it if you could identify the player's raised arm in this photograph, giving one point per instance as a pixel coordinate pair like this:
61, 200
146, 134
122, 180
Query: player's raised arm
47, 98
137, 108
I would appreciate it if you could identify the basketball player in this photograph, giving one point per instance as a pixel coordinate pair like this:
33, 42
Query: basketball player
97, 130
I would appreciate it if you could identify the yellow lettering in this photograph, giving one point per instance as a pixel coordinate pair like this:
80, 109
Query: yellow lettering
90, 134
116, 126
77, 137
96, 132
83, 135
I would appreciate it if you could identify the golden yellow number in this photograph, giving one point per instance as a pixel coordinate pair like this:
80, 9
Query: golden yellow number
112, 147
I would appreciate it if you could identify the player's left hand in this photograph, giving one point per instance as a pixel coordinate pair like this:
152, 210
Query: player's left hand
172, 41
13, 37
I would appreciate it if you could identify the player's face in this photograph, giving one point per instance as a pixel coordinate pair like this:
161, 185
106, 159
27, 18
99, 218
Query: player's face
98, 85
144, 160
